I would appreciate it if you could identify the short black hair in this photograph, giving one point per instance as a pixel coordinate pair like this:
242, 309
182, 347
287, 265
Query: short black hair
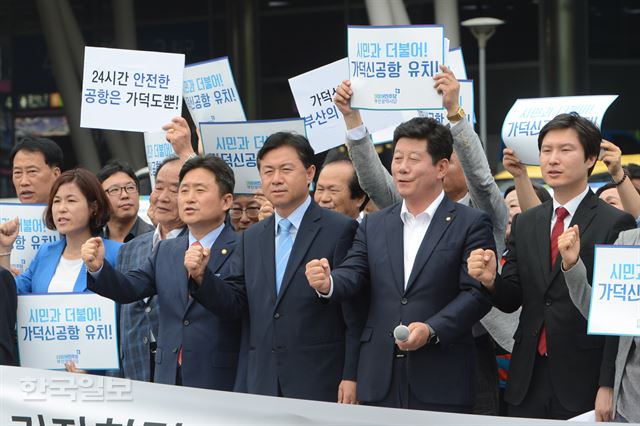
633, 170
438, 137
116, 166
541, 192
588, 133
167, 160
216, 165
294, 140
604, 187
51, 151
338, 155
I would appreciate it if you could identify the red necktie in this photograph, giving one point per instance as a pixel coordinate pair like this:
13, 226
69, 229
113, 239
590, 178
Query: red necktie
196, 244
558, 229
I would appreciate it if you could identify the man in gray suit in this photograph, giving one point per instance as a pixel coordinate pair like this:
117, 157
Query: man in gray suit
139, 320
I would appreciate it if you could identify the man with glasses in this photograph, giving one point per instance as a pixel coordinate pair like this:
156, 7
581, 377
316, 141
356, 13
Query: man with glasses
244, 212
122, 186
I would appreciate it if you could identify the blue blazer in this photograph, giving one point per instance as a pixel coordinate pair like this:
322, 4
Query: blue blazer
439, 292
37, 277
299, 345
210, 344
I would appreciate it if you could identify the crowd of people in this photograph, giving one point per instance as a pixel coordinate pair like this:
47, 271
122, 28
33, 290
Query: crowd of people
297, 294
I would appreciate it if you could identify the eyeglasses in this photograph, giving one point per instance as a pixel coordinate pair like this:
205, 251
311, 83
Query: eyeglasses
115, 191
252, 212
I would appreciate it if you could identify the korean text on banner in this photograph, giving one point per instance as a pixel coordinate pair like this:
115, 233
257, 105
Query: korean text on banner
615, 291
238, 145
393, 67
157, 148
313, 93
130, 90
527, 117
210, 92
33, 232
55, 328
466, 102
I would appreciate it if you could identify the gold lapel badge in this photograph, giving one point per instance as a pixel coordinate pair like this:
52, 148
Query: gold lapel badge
223, 251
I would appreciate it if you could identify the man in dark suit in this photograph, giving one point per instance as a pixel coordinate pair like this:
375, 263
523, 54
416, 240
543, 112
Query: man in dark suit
557, 371
9, 304
412, 256
195, 347
139, 320
299, 346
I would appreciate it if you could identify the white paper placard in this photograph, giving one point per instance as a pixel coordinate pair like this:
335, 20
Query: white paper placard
455, 61
130, 90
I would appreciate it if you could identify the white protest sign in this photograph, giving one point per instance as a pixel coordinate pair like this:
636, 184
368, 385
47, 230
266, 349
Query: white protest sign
313, 93
527, 117
55, 328
210, 92
130, 90
144, 209
455, 61
33, 232
466, 102
157, 148
615, 291
238, 145
392, 68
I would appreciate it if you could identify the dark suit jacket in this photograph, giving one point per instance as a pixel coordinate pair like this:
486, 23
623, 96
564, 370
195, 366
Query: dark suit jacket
210, 344
297, 340
8, 307
439, 292
575, 359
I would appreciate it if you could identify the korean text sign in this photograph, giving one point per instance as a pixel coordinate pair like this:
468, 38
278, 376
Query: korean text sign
615, 292
210, 92
313, 93
130, 90
238, 145
157, 148
527, 117
33, 232
55, 328
393, 67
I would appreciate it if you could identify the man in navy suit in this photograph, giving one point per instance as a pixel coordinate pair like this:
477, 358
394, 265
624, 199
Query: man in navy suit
195, 347
412, 256
299, 345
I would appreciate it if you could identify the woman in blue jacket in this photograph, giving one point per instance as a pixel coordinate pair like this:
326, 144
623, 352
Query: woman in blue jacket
78, 209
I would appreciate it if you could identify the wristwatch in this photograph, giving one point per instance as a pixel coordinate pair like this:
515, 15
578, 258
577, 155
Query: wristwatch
459, 115
433, 337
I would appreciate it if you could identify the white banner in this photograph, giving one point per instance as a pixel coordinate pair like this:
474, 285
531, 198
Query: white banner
527, 117
210, 92
615, 294
131, 90
34, 397
455, 61
313, 93
238, 145
466, 102
157, 148
33, 231
393, 67
55, 328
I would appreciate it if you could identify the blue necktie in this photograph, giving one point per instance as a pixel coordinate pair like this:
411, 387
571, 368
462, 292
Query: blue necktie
283, 250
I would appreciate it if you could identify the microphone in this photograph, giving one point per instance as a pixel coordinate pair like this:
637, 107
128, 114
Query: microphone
401, 333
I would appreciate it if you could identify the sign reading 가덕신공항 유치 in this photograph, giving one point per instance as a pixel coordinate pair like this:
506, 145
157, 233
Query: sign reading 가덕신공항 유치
130, 90
527, 117
615, 291
33, 232
55, 328
392, 67
238, 145
210, 92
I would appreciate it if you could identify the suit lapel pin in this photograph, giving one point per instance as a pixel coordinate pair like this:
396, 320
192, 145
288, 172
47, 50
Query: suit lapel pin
223, 251
448, 218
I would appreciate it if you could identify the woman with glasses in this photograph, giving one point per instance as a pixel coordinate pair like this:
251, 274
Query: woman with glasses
78, 209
